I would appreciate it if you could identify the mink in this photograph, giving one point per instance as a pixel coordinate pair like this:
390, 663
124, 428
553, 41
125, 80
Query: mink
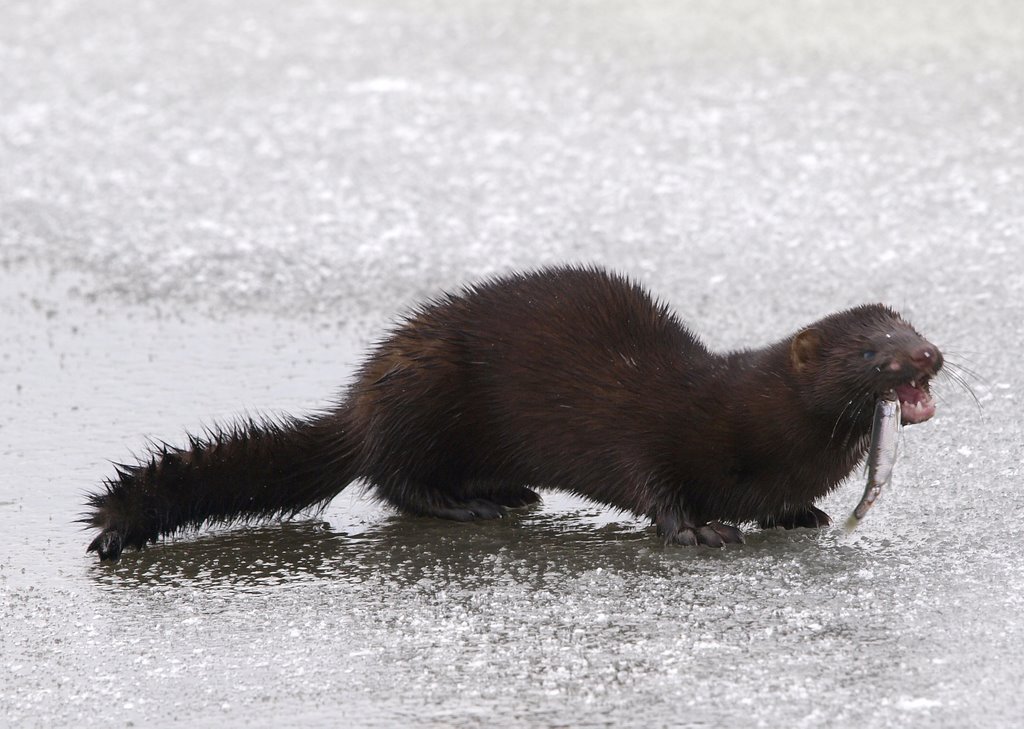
569, 378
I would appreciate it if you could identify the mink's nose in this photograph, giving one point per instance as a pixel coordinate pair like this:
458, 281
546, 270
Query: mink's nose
927, 357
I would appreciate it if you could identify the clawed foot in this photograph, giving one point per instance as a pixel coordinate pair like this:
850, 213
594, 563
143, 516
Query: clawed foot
712, 534
809, 517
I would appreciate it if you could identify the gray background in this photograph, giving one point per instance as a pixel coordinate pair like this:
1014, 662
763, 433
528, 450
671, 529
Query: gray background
211, 208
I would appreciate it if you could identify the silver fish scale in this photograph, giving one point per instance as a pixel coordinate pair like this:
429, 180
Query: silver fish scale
885, 430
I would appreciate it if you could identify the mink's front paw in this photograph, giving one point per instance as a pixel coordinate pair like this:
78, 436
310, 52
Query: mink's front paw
712, 534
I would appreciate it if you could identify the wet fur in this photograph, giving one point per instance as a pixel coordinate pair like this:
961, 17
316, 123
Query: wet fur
567, 378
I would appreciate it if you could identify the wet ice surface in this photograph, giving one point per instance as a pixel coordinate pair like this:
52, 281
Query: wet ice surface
208, 210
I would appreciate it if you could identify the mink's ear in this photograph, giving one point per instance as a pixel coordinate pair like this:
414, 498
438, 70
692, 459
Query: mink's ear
805, 349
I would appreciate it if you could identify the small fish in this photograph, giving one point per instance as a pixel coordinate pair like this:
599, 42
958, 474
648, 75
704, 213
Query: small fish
885, 430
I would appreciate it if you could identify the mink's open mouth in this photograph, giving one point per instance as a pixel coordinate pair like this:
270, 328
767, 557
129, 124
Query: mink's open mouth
916, 403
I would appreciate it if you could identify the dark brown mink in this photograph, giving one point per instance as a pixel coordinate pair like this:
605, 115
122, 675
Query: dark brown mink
566, 378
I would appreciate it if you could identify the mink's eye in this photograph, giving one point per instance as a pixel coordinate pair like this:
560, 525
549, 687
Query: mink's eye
868, 354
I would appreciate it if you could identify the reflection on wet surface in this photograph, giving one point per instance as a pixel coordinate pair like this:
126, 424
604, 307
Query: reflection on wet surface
524, 548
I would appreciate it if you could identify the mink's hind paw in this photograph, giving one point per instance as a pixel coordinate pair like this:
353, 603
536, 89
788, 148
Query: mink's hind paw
108, 545
470, 510
810, 517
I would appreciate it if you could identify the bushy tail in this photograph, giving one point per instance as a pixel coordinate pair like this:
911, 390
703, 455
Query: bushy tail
253, 470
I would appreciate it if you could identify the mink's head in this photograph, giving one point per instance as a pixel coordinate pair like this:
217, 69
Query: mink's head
858, 355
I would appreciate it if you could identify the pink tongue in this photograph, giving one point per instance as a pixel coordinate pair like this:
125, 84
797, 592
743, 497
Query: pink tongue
916, 405
909, 395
